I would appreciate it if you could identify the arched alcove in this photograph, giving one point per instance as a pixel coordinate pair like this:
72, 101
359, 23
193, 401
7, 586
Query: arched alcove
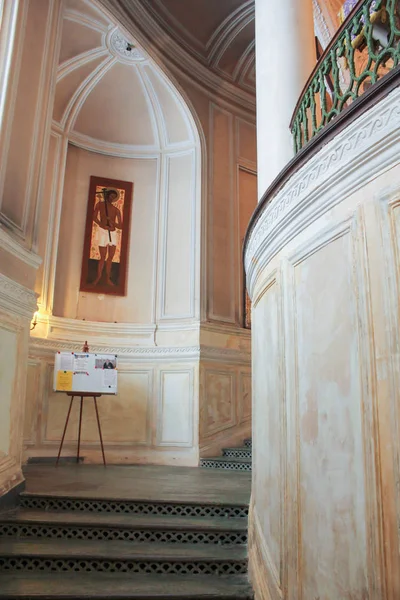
117, 116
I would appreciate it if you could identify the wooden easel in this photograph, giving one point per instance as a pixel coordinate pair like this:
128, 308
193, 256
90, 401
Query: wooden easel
82, 395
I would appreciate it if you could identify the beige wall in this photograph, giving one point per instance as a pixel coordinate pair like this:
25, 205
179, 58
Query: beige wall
28, 43
194, 189
324, 286
187, 227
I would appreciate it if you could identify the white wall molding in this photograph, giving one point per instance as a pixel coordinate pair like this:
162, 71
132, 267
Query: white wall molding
14, 247
106, 344
17, 299
365, 149
51, 346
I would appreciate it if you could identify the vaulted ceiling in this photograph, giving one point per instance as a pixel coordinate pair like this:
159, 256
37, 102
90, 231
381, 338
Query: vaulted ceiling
218, 33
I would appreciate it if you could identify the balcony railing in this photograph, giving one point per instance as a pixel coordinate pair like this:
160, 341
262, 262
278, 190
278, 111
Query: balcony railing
364, 49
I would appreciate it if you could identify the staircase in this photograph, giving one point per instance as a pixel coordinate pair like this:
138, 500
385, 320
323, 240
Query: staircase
72, 547
232, 459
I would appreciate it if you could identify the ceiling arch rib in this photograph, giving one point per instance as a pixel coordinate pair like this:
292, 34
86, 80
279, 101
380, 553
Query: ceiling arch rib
228, 33
247, 58
78, 61
87, 21
82, 93
208, 34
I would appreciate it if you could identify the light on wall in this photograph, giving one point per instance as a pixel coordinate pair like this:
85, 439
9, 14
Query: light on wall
34, 321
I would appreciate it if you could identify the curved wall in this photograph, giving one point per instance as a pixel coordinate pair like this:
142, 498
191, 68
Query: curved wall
323, 273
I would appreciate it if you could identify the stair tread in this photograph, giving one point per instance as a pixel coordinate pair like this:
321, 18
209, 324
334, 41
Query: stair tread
228, 459
238, 448
49, 586
134, 521
120, 550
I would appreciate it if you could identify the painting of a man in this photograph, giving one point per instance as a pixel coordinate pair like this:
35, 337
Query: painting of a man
108, 218
104, 263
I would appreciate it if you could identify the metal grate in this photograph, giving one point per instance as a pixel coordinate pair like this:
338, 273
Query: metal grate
105, 534
247, 443
238, 453
76, 565
227, 465
131, 507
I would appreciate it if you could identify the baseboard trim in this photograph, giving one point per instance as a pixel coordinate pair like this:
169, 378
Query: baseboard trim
11, 498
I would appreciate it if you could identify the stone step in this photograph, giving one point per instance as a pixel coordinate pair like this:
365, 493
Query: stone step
96, 586
240, 452
225, 462
122, 506
25, 523
116, 557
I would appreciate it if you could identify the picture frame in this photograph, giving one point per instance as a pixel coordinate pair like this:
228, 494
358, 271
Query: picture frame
107, 233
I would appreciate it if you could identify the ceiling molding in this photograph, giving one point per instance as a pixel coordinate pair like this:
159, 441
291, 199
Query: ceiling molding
136, 21
83, 91
84, 19
76, 62
238, 13
245, 60
228, 36
112, 149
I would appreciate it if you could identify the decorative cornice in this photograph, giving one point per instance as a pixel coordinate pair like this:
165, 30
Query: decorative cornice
17, 299
47, 346
231, 355
8, 243
40, 346
367, 147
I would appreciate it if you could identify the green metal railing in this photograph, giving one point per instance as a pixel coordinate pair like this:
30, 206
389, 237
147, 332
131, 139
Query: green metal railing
365, 48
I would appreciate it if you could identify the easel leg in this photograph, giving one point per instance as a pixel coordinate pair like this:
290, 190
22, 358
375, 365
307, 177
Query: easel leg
98, 425
65, 429
80, 426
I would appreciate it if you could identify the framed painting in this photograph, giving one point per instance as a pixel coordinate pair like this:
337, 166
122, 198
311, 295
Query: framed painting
105, 249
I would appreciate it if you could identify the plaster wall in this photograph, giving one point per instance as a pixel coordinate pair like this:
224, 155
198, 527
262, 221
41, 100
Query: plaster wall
189, 215
322, 266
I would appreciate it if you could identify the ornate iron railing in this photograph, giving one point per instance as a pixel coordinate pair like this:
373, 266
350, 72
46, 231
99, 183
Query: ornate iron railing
364, 49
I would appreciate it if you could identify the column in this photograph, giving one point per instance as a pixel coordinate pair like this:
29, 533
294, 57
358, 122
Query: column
285, 58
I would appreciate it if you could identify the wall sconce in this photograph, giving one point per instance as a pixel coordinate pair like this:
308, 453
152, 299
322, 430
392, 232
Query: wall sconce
34, 321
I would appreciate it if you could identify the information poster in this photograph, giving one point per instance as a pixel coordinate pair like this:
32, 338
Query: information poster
85, 372
64, 381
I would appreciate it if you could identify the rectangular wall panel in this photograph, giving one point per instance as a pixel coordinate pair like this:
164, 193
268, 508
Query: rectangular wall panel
179, 251
31, 401
329, 425
176, 415
16, 194
246, 141
267, 428
8, 367
221, 226
245, 396
218, 410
